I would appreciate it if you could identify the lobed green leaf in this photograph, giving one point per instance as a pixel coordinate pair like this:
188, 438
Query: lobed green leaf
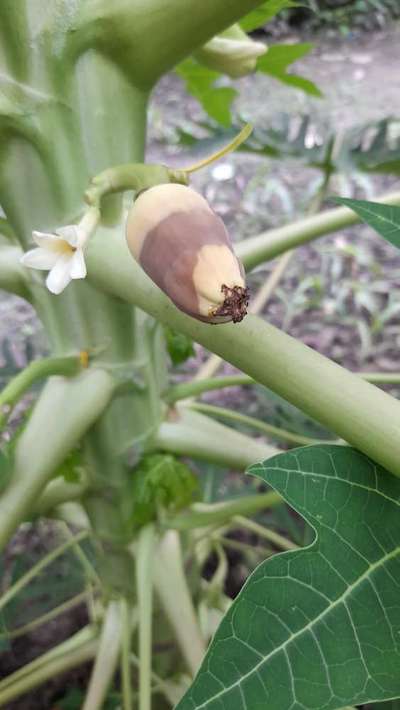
317, 628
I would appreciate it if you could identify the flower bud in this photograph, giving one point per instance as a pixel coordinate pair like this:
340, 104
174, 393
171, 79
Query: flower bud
185, 249
232, 53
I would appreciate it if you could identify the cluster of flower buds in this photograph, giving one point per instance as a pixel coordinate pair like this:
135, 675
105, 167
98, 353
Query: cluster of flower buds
185, 249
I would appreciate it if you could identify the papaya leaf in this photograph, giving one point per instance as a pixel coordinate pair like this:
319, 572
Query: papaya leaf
317, 628
385, 219
276, 61
201, 83
160, 483
263, 14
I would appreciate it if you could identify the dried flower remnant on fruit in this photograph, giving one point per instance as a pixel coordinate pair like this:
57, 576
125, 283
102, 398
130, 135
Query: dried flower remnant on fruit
235, 303
185, 249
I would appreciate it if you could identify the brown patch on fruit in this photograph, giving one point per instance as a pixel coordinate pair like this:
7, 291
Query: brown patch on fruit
169, 253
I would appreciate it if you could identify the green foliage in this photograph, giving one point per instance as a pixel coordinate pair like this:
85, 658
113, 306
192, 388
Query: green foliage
385, 219
263, 14
276, 61
5, 470
180, 347
71, 468
201, 83
216, 100
160, 483
346, 16
319, 627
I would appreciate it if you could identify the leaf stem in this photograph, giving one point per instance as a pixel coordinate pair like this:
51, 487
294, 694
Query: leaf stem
86, 565
173, 592
57, 492
270, 535
64, 411
127, 699
36, 370
194, 388
69, 654
276, 432
39, 567
144, 580
230, 147
106, 657
49, 616
189, 433
202, 515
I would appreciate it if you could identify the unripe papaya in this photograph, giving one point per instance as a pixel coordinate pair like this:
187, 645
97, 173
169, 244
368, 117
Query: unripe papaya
185, 248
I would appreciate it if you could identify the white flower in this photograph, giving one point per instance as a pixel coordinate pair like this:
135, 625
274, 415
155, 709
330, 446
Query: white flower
61, 254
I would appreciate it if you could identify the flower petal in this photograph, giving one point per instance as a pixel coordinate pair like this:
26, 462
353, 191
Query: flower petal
39, 259
78, 266
70, 233
60, 275
51, 242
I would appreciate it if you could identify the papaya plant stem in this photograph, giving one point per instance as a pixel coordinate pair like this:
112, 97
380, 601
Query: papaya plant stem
278, 540
274, 431
127, 700
172, 590
49, 616
175, 34
106, 657
202, 515
39, 567
144, 583
268, 245
58, 492
189, 433
194, 388
36, 370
